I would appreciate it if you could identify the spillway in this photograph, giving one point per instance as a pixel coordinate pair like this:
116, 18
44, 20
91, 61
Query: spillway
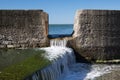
64, 67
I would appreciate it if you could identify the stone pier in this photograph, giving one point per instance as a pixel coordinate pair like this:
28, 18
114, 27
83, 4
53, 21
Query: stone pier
97, 34
23, 28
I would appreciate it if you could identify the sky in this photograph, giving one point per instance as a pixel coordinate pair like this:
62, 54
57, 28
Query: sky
60, 11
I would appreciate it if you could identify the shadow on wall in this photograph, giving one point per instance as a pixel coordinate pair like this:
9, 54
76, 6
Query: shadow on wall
80, 58
59, 36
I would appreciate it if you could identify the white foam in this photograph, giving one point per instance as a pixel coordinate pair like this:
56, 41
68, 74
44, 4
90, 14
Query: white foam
80, 71
63, 65
98, 70
58, 43
53, 53
61, 58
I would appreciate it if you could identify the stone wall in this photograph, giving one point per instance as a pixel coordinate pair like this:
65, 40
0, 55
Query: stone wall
97, 34
23, 28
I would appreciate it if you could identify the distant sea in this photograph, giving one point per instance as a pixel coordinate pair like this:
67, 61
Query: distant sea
60, 29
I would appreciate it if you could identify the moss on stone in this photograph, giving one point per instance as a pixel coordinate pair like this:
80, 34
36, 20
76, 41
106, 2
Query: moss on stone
24, 67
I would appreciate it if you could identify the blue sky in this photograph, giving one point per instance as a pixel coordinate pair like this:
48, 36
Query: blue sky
60, 11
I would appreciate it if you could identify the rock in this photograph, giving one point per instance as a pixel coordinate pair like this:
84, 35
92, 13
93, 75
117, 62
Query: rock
20, 27
97, 34
10, 46
2, 46
114, 75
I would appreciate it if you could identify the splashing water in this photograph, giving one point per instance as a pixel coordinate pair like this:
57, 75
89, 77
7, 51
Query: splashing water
58, 43
64, 66
61, 58
83, 71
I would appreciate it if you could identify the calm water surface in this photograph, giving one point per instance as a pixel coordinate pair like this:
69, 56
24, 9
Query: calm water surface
60, 29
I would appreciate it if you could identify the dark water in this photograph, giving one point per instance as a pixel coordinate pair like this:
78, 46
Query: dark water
60, 30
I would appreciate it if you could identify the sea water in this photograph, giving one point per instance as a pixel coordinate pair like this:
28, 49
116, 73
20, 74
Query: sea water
60, 29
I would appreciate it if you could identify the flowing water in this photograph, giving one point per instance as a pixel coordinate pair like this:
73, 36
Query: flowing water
82, 71
64, 66
58, 43
61, 58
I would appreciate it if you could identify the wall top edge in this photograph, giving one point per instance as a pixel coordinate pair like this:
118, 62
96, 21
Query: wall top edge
21, 10
96, 10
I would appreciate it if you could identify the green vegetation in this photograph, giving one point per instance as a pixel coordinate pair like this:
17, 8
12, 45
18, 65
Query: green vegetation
16, 64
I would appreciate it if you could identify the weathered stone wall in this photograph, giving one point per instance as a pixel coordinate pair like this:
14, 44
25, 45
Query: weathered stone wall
23, 28
97, 34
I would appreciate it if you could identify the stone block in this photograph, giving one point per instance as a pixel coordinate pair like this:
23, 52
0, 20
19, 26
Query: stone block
20, 27
96, 34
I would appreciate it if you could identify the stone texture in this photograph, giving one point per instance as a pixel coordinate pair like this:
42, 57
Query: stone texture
114, 75
97, 34
23, 28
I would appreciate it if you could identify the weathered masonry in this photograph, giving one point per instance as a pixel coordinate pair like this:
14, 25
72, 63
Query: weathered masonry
97, 34
23, 28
